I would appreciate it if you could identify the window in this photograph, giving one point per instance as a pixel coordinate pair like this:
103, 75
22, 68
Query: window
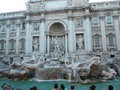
2, 45
1, 59
97, 41
13, 26
0, 27
108, 19
111, 42
95, 20
11, 60
94, 6
23, 26
3, 28
12, 44
23, 44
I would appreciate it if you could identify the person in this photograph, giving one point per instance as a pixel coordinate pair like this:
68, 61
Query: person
4, 86
93, 87
72, 87
110, 87
55, 87
62, 87
33, 88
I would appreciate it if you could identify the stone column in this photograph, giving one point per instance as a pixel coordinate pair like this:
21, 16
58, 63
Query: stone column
27, 44
85, 35
66, 44
88, 35
117, 31
7, 37
17, 36
102, 26
48, 42
42, 34
70, 34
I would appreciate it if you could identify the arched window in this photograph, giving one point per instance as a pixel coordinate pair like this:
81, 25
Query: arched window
13, 26
111, 39
97, 40
95, 20
22, 44
108, 19
12, 44
2, 44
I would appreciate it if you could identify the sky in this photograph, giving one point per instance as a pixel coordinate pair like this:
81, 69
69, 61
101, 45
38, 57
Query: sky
18, 5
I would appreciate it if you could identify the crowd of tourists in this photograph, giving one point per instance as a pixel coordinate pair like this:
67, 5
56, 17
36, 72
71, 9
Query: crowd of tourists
55, 87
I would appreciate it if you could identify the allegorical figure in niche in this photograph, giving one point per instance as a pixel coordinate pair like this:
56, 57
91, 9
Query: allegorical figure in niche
55, 44
35, 44
80, 42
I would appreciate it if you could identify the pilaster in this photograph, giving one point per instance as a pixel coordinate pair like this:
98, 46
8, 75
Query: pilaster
88, 32
42, 44
71, 32
102, 26
117, 31
17, 36
27, 44
7, 37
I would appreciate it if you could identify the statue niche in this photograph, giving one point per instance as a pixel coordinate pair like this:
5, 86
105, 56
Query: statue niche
79, 42
35, 44
55, 45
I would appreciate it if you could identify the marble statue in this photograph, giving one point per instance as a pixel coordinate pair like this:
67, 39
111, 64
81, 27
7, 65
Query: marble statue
55, 44
69, 2
42, 5
35, 44
27, 6
80, 42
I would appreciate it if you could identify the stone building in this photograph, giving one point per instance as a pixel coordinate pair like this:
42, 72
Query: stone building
61, 26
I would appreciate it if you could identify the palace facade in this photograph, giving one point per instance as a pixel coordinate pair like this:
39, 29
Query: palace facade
76, 24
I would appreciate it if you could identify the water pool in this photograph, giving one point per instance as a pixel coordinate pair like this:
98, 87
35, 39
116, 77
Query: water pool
25, 85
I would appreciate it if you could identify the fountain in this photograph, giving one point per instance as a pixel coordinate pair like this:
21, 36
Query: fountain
79, 66
72, 67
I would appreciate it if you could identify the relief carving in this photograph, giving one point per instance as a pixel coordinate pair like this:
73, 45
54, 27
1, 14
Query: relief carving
78, 22
36, 26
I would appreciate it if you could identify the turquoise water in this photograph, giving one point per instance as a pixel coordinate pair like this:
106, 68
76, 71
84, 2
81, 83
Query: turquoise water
25, 85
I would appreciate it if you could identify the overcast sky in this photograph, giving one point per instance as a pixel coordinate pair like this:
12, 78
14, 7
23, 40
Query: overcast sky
17, 5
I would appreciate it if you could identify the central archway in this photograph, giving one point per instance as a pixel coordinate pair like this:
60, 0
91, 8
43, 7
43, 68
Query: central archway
56, 38
57, 28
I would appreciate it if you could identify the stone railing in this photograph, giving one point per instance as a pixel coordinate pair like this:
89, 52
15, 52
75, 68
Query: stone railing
22, 51
113, 47
97, 48
11, 14
11, 50
105, 5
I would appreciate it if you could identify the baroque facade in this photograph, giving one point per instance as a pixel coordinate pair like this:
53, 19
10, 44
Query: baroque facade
61, 26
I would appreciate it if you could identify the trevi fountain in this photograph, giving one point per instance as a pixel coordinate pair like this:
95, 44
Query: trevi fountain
79, 67
64, 43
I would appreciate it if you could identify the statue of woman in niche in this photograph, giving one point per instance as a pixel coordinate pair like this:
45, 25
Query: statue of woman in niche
35, 44
80, 42
55, 44
69, 2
